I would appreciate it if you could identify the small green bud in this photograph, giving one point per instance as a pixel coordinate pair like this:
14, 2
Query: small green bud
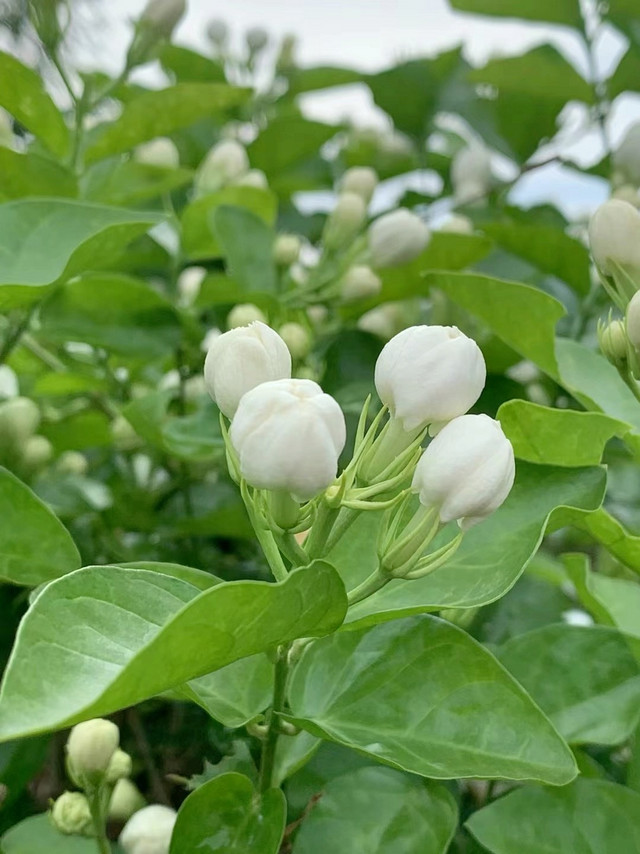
72, 462
19, 419
71, 815
613, 342
297, 339
286, 249
257, 39
345, 221
361, 180
124, 436
243, 314
360, 282
126, 800
120, 766
90, 748
161, 152
37, 451
218, 32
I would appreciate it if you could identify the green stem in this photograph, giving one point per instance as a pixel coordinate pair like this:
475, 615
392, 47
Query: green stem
271, 552
630, 382
267, 760
345, 520
292, 550
317, 540
13, 338
376, 581
97, 805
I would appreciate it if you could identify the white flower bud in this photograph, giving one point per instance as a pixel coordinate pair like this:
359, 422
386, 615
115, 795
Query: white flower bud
429, 374
125, 800
37, 451
124, 436
163, 15
395, 145
627, 156
361, 180
19, 419
288, 435
72, 462
243, 314
253, 178
633, 321
613, 341
627, 193
345, 221
242, 359
8, 382
457, 224
71, 815
286, 249
614, 235
90, 748
149, 831
297, 339
471, 172
189, 283
120, 766
382, 321
359, 282
467, 471
226, 162
158, 152
397, 238
318, 314
257, 39
218, 31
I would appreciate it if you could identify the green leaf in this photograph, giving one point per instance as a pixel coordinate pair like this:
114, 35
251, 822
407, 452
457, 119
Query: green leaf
32, 175
226, 816
378, 809
321, 77
558, 437
107, 638
586, 679
422, 695
78, 431
189, 66
492, 555
547, 248
235, 694
196, 436
160, 113
43, 241
118, 313
198, 239
196, 577
542, 71
286, 142
589, 815
613, 601
247, 245
34, 545
521, 316
36, 835
554, 11
22, 93
130, 183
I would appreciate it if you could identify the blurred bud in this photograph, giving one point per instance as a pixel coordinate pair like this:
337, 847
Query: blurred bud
627, 193
156, 25
90, 748
257, 39
471, 173
359, 282
120, 766
286, 249
633, 321
457, 224
44, 17
318, 314
209, 338
397, 238
72, 462
218, 32
614, 236
253, 178
626, 158
288, 436
8, 382
189, 283
286, 58
158, 152
612, 339
345, 221
382, 321
124, 436
71, 815
242, 359
37, 451
467, 470
149, 831
226, 162
361, 180
297, 339
243, 314
126, 800
19, 419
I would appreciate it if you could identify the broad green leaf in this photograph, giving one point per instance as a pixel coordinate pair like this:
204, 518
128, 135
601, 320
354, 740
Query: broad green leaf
196, 436
196, 577
148, 416
558, 437
595, 382
198, 238
554, 11
547, 248
34, 545
592, 816
32, 175
246, 242
43, 241
160, 113
189, 66
541, 72
521, 316
36, 835
78, 431
586, 679
626, 77
227, 816
321, 77
236, 693
612, 601
118, 313
107, 638
130, 183
286, 142
492, 556
379, 809
22, 93
294, 753
420, 694
607, 530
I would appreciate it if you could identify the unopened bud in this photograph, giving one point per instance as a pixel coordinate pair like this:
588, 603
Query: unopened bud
633, 321
614, 236
382, 321
160, 152
613, 342
397, 238
124, 436
90, 749
71, 815
627, 193
286, 59
72, 462
9, 386
457, 224
218, 32
163, 15
360, 282
361, 180
345, 221
471, 173
149, 831
189, 283
120, 766
257, 39
286, 249
126, 800
243, 314
297, 339
37, 451
226, 162
626, 158
19, 419
253, 178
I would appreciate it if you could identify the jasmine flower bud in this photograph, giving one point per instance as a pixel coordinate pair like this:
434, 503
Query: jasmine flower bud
90, 748
149, 831
397, 238
471, 173
158, 152
614, 236
360, 282
345, 221
71, 815
297, 339
243, 314
225, 163
361, 180
125, 800
627, 156
286, 249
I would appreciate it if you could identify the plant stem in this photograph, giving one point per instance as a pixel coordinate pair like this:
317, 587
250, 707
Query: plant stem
267, 760
369, 586
13, 338
97, 805
317, 539
344, 521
